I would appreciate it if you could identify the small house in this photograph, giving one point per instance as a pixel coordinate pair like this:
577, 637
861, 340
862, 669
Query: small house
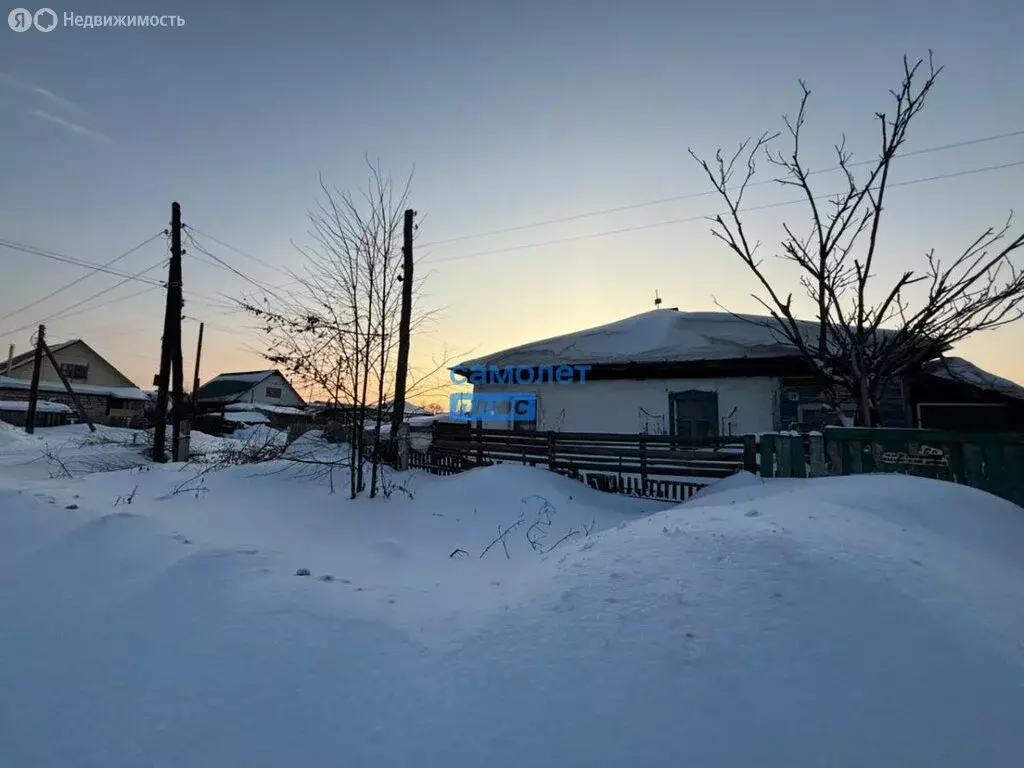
266, 394
706, 374
107, 395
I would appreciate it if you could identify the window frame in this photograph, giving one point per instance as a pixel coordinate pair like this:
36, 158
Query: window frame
696, 396
67, 370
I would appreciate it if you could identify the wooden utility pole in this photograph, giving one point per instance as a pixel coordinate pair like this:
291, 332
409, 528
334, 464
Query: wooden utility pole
67, 386
177, 375
195, 374
402, 366
172, 311
33, 390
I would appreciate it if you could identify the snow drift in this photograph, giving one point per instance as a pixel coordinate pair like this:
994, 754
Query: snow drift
841, 622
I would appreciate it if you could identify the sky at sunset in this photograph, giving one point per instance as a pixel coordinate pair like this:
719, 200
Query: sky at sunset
512, 115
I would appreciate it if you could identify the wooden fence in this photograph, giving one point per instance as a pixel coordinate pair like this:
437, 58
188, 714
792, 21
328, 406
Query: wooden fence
656, 466
992, 462
673, 468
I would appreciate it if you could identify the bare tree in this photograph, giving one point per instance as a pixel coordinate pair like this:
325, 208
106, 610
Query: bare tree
338, 331
864, 338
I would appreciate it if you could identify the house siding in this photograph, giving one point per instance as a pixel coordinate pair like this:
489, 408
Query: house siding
258, 394
101, 373
745, 404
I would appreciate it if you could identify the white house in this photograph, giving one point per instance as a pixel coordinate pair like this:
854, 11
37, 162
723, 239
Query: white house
269, 388
688, 373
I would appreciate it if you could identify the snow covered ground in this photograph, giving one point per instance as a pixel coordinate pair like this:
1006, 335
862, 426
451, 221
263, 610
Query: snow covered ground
156, 616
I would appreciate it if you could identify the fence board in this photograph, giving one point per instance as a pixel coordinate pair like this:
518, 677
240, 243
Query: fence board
992, 462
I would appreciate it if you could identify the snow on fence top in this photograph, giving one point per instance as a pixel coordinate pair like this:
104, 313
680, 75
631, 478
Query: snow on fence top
124, 393
658, 336
958, 369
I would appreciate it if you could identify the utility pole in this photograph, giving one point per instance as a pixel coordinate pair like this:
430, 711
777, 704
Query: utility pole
179, 305
402, 366
10, 359
33, 391
172, 310
195, 374
67, 386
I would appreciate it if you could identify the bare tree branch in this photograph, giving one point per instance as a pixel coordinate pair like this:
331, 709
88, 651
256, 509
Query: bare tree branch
863, 338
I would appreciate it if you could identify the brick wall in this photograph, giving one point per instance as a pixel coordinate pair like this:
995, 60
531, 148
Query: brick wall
95, 405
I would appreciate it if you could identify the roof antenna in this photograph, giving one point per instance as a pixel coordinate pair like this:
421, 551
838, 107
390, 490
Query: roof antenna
657, 300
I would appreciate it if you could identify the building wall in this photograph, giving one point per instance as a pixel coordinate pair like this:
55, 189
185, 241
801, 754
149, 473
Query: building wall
101, 373
745, 405
96, 406
794, 393
289, 397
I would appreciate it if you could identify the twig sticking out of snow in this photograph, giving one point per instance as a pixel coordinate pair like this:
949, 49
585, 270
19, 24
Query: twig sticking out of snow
53, 457
569, 535
501, 537
128, 499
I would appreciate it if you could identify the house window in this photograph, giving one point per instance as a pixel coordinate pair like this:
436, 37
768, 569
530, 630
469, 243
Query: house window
694, 413
74, 371
274, 392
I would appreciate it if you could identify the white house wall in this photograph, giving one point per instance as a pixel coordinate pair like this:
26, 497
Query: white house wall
745, 405
289, 396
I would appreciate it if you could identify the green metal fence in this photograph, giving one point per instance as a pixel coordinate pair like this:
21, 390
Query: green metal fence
992, 462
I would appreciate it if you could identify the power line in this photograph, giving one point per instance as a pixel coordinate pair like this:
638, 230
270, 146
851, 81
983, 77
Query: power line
704, 217
75, 261
64, 259
86, 276
66, 312
218, 262
239, 251
695, 195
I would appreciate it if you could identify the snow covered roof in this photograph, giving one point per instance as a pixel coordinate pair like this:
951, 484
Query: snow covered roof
251, 377
245, 417
657, 336
124, 393
283, 410
43, 406
229, 386
966, 372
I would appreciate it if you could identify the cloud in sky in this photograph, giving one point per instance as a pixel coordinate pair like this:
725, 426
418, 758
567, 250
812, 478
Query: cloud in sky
69, 125
53, 100
23, 85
